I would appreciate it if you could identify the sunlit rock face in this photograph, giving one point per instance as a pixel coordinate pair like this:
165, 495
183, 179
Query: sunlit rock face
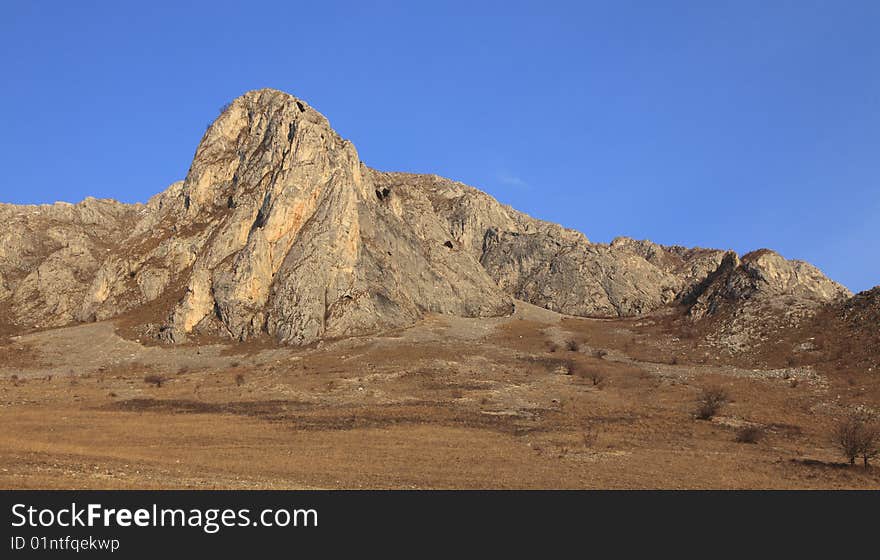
279, 229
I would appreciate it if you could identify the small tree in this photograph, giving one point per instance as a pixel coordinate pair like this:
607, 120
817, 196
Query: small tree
857, 438
710, 402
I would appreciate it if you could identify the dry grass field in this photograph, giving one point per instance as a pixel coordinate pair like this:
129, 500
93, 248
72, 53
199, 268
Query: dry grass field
535, 400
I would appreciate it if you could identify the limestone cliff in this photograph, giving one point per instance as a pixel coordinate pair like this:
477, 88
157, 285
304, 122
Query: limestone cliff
279, 229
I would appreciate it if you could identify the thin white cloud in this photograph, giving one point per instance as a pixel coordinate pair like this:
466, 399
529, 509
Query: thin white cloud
511, 180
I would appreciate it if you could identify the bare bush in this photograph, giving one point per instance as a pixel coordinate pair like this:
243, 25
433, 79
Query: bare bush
572, 345
749, 434
153, 379
552, 347
857, 437
239, 379
592, 374
710, 401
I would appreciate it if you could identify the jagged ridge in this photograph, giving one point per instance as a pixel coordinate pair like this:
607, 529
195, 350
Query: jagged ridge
279, 228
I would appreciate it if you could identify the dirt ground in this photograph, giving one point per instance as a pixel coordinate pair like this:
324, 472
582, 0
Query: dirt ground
535, 400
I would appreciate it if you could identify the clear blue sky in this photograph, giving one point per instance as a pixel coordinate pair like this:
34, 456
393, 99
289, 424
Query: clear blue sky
731, 124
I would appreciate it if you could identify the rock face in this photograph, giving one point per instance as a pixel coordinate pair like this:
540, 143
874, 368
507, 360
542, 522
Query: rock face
750, 301
48, 253
760, 275
279, 229
551, 266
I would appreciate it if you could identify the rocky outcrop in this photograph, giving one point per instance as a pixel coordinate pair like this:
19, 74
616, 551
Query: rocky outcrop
49, 253
862, 311
576, 278
279, 229
747, 303
761, 275
551, 266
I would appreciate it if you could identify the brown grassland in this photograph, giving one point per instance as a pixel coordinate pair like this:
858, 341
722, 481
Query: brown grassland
535, 400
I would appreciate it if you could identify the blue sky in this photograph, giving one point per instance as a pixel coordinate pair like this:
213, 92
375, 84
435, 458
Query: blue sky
731, 124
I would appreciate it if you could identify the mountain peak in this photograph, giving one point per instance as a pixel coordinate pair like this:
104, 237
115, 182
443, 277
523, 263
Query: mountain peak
266, 130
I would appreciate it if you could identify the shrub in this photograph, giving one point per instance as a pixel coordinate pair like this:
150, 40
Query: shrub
857, 438
710, 402
749, 434
673, 361
153, 379
572, 345
594, 375
239, 379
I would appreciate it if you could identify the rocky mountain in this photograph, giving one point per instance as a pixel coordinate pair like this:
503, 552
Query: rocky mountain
751, 300
280, 229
